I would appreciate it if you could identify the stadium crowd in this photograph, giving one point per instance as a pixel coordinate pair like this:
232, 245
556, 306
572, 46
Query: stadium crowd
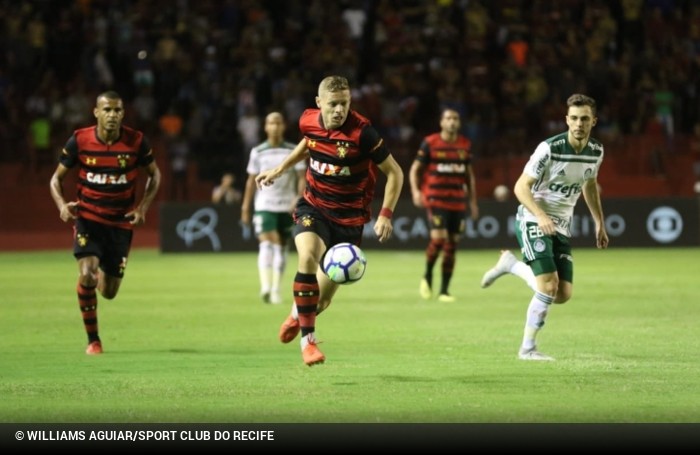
201, 75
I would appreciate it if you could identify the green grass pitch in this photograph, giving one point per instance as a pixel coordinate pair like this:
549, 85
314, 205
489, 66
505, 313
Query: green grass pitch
188, 340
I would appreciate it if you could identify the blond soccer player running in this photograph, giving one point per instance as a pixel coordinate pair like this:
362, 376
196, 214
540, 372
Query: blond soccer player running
343, 150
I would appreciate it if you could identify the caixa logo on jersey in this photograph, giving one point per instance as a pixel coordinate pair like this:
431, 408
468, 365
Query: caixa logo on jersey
106, 179
328, 169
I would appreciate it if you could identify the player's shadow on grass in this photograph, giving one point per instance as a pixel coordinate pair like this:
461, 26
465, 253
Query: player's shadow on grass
458, 379
400, 378
183, 351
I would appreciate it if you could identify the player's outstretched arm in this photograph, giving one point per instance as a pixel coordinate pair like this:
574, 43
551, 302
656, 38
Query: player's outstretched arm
268, 177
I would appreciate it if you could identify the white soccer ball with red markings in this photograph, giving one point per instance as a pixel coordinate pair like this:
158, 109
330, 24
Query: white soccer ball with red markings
344, 263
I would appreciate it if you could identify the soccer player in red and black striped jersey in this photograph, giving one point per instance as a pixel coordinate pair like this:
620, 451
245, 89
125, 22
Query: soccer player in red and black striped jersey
344, 151
442, 180
108, 157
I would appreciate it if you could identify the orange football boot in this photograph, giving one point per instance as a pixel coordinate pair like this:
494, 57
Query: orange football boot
94, 348
289, 329
312, 355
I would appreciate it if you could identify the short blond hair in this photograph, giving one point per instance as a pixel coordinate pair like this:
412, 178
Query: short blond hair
333, 84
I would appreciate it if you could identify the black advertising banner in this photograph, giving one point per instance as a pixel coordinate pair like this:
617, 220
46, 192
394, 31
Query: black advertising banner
199, 227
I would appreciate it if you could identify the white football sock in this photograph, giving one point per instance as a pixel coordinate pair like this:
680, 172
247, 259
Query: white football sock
522, 270
265, 266
279, 260
305, 340
536, 314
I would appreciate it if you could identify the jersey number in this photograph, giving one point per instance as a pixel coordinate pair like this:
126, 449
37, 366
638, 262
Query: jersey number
534, 232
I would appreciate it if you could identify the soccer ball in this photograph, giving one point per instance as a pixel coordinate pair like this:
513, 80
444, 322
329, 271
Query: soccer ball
344, 263
501, 193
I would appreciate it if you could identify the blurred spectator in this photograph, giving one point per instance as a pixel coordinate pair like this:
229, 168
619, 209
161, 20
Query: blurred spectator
249, 128
663, 99
225, 192
145, 108
695, 150
178, 150
355, 18
143, 73
171, 123
518, 50
77, 106
39, 141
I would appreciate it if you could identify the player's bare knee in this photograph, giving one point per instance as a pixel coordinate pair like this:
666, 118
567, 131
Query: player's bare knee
109, 287
87, 277
562, 296
307, 263
550, 288
564, 292
108, 293
560, 299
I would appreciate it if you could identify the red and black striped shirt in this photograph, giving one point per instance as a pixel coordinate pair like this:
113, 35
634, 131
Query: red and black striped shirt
444, 184
107, 173
342, 166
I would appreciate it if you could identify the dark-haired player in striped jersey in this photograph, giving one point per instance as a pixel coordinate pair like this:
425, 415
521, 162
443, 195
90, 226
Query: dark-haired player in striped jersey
442, 179
108, 157
561, 169
343, 151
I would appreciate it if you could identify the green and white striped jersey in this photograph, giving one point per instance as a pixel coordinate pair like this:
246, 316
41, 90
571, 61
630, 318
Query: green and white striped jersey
281, 195
560, 174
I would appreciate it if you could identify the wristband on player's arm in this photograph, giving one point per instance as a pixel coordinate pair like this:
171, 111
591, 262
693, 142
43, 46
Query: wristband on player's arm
387, 212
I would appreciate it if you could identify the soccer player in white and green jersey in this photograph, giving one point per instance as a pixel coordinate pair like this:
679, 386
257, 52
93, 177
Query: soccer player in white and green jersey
272, 219
558, 172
